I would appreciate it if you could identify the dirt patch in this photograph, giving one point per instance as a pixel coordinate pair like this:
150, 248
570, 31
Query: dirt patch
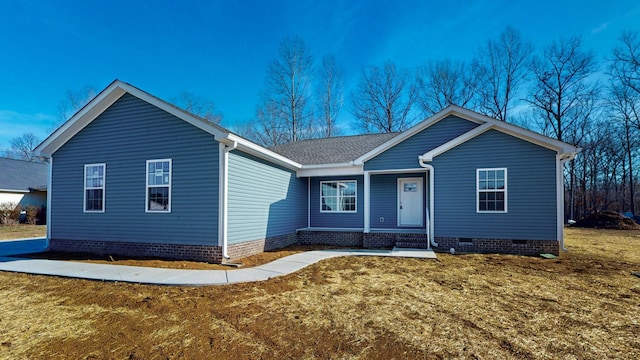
250, 261
582, 305
607, 220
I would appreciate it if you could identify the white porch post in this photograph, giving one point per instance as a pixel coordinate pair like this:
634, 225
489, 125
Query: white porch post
367, 193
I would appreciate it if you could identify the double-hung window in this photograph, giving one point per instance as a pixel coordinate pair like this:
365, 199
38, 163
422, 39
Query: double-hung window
491, 190
94, 176
338, 196
158, 185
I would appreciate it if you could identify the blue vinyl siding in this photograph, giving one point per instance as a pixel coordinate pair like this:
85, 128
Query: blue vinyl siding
384, 199
337, 220
405, 154
265, 200
123, 137
531, 189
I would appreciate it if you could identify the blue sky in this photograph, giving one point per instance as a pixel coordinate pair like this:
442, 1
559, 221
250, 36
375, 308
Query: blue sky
220, 49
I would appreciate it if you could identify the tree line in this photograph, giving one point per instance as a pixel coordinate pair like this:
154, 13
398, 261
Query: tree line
560, 90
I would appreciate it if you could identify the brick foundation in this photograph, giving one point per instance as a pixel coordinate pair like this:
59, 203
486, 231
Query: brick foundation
499, 246
205, 253
248, 248
338, 238
213, 254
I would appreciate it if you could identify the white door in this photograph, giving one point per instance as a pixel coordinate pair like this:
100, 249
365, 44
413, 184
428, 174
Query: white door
410, 208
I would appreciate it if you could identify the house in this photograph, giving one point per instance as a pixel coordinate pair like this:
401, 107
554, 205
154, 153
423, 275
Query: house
131, 174
23, 183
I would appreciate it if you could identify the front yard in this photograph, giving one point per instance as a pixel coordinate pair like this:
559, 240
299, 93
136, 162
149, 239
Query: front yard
22, 231
583, 305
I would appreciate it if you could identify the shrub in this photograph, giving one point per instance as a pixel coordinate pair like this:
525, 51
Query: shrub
32, 214
9, 213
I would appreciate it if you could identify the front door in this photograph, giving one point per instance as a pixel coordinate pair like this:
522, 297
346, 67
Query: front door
410, 208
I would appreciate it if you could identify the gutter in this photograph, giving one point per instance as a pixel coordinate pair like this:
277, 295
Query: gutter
430, 216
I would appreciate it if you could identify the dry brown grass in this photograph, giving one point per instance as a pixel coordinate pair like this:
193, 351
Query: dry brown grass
22, 231
583, 305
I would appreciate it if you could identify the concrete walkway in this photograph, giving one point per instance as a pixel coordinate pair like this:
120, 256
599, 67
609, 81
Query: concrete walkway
157, 276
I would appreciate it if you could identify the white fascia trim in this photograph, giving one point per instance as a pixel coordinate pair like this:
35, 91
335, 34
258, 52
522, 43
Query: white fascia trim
517, 131
429, 155
82, 118
173, 110
330, 171
261, 152
406, 134
328, 166
395, 171
104, 100
478, 118
15, 191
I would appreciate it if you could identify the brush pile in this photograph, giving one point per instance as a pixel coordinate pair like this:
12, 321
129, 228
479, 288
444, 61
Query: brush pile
607, 220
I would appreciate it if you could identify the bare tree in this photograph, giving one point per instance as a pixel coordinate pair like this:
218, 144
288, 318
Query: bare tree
564, 96
384, 99
287, 94
267, 129
330, 95
624, 105
443, 83
73, 102
562, 91
502, 65
22, 147
198, 105
625, 67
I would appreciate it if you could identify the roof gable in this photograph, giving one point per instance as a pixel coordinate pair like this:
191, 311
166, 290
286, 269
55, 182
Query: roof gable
116, 90
486, 122
103, 101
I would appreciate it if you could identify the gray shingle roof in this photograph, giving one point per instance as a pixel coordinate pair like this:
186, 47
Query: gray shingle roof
331, 150
22, 175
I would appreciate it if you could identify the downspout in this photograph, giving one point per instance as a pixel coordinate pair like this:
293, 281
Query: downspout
560, 198
48, 215
225, 195
309, 202
431, 202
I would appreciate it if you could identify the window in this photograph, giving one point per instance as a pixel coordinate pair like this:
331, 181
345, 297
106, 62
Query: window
338, 196
492, 190
94, 187
159, 185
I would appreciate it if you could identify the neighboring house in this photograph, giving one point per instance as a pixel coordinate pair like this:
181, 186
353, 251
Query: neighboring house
23, 183
134, 175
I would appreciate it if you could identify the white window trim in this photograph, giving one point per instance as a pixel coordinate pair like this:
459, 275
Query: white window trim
146, 196
338, 196
505, 191
103, 187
